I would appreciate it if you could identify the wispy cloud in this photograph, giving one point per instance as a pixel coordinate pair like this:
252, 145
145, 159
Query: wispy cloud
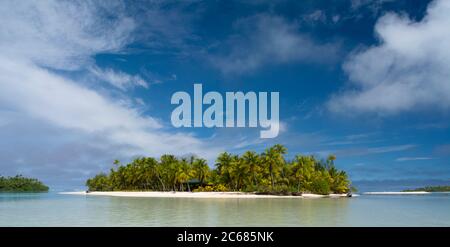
412, 158
427, 126
375, 6
267, 39
119, 79
388, 149
362, 151
353, 139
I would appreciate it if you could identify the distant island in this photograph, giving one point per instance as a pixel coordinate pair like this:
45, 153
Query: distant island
441, 188
21, 184
267, 173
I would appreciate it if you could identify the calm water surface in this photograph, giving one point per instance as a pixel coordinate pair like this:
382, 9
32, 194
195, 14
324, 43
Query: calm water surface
51, 209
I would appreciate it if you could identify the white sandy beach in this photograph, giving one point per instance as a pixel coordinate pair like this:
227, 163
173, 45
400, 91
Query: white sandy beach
397, 193
194, 194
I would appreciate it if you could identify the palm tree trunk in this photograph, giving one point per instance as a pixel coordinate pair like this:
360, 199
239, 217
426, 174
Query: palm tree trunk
162, 183
271, 179
271, 176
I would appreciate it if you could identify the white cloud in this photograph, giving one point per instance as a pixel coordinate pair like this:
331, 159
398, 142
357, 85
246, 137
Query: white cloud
83, 128
38, 92
374, 5
363, 138
315, 16
266, 39
412, 158
388, 149
61, 34
408, 70
362, 151
119, 79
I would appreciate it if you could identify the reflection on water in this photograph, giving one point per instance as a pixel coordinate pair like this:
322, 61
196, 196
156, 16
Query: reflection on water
218, 212
69, 210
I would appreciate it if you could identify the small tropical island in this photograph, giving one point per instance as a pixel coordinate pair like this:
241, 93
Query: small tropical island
441, 188
267, 173
21, 184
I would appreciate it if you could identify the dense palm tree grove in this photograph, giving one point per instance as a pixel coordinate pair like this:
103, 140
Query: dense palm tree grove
21, 184
268, 172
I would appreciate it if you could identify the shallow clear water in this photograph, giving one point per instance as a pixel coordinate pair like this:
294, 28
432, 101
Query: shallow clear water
51, 209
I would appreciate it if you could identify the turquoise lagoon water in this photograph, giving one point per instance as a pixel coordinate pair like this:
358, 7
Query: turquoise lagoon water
52, 209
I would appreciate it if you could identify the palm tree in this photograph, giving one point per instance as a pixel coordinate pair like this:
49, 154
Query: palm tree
252, 160
274, 160
223, 166
162, 175
339, 182
201, 169
184, 173
149, 171
330, 160
169, 164
238, 172
297, 173
304, 171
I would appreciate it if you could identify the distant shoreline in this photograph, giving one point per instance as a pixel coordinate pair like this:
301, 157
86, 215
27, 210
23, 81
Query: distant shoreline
439, 188
155, 194
397, 193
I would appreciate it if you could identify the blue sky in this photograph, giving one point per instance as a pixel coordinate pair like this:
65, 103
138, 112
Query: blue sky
82, 84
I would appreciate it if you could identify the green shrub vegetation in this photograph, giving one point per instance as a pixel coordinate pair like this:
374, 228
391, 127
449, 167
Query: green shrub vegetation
21, 184
267, 172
